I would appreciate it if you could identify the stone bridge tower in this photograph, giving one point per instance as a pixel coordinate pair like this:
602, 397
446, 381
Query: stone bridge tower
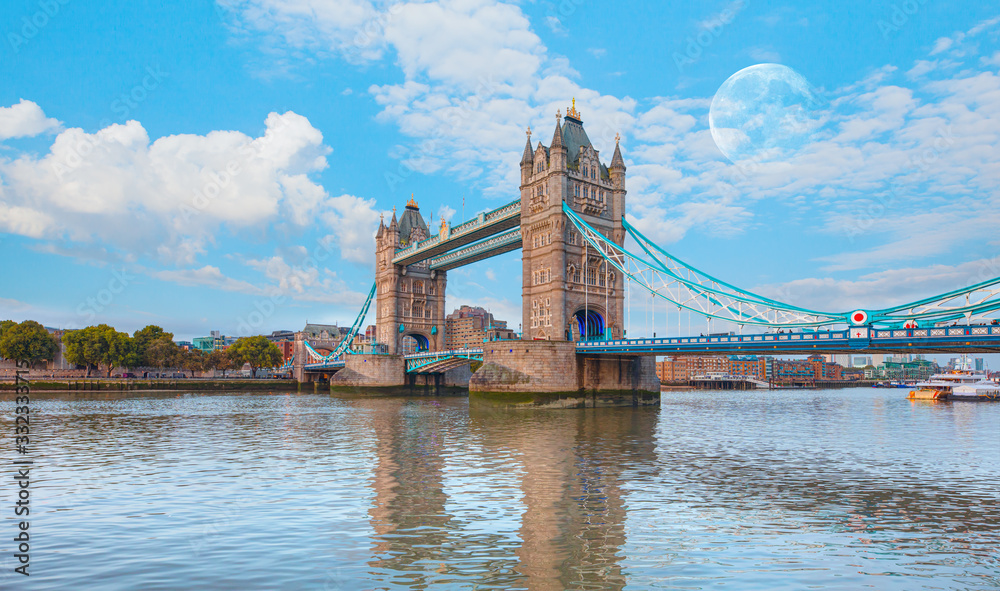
568, 291
409, 304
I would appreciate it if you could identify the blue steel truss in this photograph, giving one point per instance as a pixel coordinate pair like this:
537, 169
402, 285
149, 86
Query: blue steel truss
955, 339
482, 226
345, 345
441, 361
669, 278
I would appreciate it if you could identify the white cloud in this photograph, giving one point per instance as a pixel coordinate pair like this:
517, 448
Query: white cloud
555, 25
167, 197
207, 276
25, 119
762, 54
10, 307
882, 289
597, 52
930, 135
354, 222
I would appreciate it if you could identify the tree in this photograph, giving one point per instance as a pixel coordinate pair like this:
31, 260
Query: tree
145, 336
219, 359
28, 343
258, 352
116, 347
81, 348
101, 344
3, 328
192, 360
162, 352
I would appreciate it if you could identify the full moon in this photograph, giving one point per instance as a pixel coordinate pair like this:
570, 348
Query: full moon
763, 112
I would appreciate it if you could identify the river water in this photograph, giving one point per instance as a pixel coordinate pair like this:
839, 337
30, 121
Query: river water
838, 489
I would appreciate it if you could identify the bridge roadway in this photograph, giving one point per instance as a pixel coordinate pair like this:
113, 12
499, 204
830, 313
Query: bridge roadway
957, 339
945, 340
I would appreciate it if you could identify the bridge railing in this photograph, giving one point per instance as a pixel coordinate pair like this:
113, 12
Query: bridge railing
702, 340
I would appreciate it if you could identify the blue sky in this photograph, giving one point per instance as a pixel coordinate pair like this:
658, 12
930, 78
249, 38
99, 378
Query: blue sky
223, 165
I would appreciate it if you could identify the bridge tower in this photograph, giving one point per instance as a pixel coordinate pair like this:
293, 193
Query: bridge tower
569, 292
409, 299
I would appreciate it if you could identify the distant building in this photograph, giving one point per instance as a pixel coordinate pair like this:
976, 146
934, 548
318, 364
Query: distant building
287, 349
750, 366
325, 332
185, 345
281, 336
472, 326
215, 342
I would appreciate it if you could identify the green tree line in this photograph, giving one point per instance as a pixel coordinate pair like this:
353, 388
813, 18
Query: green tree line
100, 346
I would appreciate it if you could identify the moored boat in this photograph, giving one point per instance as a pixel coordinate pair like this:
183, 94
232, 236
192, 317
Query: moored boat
983, 390
942, 386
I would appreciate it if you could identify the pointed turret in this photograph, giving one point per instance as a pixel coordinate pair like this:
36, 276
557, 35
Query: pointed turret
529, 155
617, 163
557, 136
381, 227
394, 225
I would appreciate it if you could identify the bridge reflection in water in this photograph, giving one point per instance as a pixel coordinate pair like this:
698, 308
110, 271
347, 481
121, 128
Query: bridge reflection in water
705, 489
543, 507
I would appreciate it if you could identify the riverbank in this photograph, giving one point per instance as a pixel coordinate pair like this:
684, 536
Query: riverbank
120, 385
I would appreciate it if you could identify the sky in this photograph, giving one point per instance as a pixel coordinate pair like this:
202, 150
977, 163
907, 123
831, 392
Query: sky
223, 166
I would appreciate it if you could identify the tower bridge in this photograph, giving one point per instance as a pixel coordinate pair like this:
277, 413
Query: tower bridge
576, 270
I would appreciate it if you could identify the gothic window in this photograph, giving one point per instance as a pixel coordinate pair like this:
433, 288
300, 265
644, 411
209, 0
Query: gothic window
576, 190
418, 287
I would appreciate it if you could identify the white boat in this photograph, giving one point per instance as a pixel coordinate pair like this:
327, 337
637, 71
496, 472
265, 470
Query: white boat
942, 385
982, 390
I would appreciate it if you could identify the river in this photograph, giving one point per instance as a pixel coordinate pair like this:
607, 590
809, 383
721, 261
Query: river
818, 489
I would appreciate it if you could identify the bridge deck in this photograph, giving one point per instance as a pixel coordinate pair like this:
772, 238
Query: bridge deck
479, 228
961, 339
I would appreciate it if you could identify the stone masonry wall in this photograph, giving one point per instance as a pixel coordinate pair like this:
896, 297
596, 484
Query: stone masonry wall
374, 371
527, 366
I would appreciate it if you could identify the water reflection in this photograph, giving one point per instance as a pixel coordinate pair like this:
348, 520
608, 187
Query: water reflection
731, 490
558, 476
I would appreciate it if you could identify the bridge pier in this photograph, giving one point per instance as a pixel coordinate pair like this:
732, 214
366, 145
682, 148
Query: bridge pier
552, 374
371, 371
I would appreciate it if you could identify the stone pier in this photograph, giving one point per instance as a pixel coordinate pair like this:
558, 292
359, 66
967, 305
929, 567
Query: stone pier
371, 372
551, 374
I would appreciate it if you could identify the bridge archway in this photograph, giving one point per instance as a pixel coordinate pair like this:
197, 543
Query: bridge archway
588, 324
414, 343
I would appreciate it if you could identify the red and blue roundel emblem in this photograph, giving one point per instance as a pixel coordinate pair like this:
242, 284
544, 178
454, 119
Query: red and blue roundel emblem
859, 317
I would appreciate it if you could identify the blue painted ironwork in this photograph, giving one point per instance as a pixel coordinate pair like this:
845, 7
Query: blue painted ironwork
331, 365
482, 226
954, 339
441, 361
499, 244
688, 288
345, 345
